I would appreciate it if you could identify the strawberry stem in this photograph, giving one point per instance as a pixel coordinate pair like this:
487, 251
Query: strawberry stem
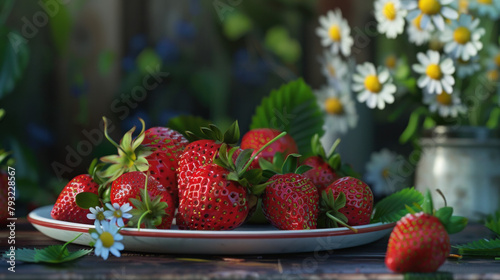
66, 245
107, 135
333, 148
142, 217
340, 221
249, 162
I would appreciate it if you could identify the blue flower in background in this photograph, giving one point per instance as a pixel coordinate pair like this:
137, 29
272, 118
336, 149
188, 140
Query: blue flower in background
167, 50
185, 30
133, 120
248, 70
39, 136
128, 64
137, 44
79, 86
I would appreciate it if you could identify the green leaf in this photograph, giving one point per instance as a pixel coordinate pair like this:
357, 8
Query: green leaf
50, 254
393, 208
292, 108
413, 125
188, 123
302, 169
61, 26
483, 247
493, 222
86, 200
290, 164
428, 206
242, 159
14, 56
236, 25
105, 62
232, 134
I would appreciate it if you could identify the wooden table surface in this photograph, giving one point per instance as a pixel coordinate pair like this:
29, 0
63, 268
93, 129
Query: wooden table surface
364, 262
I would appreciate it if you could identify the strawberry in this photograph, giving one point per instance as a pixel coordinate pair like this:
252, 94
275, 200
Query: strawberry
201, 152
159, 161
326, 167
356, 197
291, 201
4, 185
212, 202
153, 204
164, 138
419, 242
256, 138
65, 208
220, 195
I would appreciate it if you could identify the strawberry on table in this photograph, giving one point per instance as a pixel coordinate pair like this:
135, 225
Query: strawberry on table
201, 152
164, 138
291, 201
256, 138
160, 161
419, 242
65, 208
153, 205
355, 198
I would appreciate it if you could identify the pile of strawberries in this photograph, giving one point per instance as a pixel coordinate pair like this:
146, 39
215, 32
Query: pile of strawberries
215, 184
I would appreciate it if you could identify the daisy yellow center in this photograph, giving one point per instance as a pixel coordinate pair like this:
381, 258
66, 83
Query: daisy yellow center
429, 7
385, 173
497, 60
461, 35
100, 216
390, 61
333, 106
433, 71
444, 99
118, 213
493, 75
334, 33
463, 6
389, 11
107, 239
485, 2
416, 22
373, 84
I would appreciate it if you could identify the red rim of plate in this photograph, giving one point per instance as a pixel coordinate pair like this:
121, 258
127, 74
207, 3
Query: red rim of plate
36, 219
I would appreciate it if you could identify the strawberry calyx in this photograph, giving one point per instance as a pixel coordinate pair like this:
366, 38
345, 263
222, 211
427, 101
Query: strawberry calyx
253, 179
231, 136
131, 154
452, 224
147, 211
282, 165
330, 217
333, 158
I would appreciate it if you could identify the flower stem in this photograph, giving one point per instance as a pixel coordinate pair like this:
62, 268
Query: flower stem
247, 165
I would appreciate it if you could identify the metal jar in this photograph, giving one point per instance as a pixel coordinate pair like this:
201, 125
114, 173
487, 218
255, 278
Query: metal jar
464, 163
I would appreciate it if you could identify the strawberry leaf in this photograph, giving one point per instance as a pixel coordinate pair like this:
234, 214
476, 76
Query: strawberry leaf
292, 108
493, 222
50, 254
85, 200
482, 247
393, 208
189, 123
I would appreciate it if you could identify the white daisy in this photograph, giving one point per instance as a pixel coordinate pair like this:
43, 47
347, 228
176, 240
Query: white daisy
390, 17
462, 38
375, 87
106, 239
380, 172
96, 214
445, 104
333, 68
335, 33
117, 213
436, 72
467, 68
433, 12
416, 34
339, 108
490, 8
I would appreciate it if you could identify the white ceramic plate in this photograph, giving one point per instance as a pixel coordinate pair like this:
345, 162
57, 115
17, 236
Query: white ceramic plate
247, 239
